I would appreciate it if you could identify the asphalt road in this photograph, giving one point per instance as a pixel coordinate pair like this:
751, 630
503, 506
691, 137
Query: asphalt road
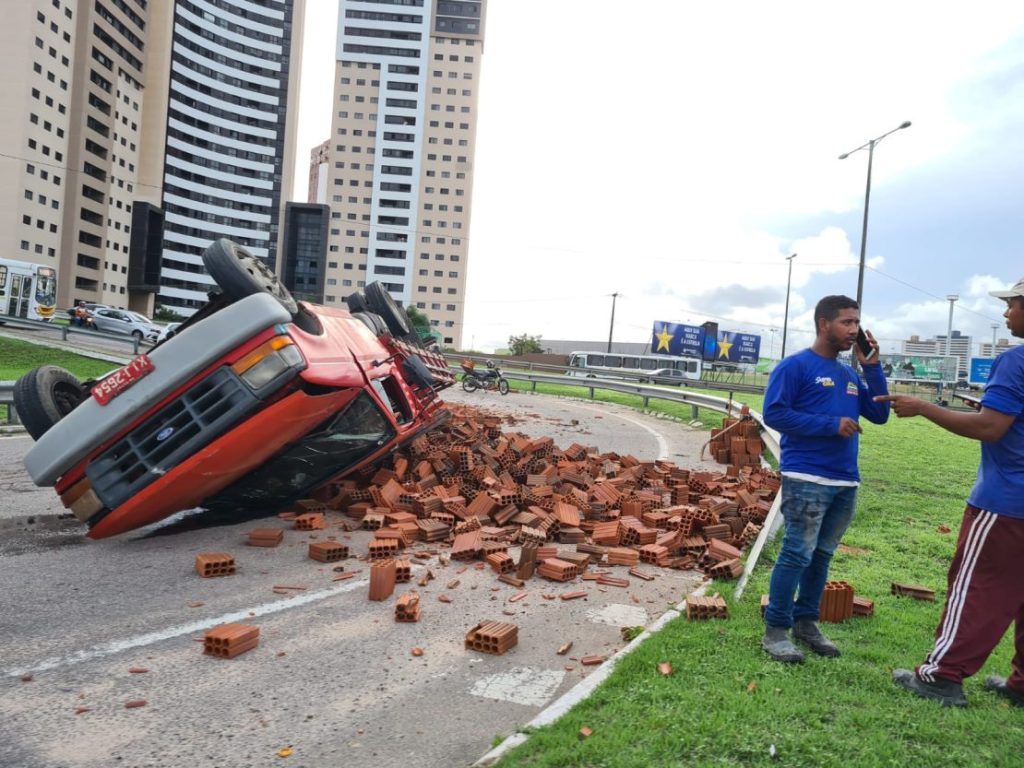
333, 678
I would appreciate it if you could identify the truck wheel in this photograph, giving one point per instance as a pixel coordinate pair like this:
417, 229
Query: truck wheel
380, 301
240, 274
44, 396
374, 322
503, 386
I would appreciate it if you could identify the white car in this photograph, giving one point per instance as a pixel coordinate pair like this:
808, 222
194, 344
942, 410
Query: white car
123, 321
167, 331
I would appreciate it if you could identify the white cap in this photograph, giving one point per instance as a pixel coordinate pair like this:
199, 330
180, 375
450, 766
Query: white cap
1016, 290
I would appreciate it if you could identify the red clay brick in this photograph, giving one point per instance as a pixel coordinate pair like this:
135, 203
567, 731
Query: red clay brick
229, 640
209, 564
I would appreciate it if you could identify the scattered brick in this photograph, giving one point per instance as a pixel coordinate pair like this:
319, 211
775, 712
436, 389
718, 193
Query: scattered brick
564, 648
836, 602
492, 637
706, 608
913, 590
589, 661
211, 564
327, 551
265, 537
131, 704
382, 579
230, 640
407, 608
863, 606
312, 521
573, 595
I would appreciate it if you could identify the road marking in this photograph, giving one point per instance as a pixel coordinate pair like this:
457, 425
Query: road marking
618, 615
117, 646
530, 687
662, 442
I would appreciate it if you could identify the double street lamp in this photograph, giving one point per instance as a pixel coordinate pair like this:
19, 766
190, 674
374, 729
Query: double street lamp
870, 146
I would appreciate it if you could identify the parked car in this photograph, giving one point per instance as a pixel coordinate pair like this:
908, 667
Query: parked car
256, 401
123, 321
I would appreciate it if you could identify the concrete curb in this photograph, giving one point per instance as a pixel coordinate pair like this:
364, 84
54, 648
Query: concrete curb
585, 687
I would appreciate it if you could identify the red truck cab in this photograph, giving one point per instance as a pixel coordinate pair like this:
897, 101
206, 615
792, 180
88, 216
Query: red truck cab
253, 404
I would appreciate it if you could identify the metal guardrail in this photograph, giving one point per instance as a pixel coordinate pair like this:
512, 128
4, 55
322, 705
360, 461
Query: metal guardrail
64, 330
7, 398
597, 373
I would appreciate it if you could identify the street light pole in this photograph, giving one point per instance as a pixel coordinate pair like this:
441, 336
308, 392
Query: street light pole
870, 145
785, 319
995, 327
611, 328
952, 299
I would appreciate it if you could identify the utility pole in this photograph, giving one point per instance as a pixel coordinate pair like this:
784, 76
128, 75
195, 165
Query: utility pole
611, 328
785, 319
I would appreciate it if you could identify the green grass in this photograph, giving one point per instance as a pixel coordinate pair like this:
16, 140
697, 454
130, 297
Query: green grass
17, 357
726, 704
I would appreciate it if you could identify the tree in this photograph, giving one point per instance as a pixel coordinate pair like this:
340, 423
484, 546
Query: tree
420, 322
524, 345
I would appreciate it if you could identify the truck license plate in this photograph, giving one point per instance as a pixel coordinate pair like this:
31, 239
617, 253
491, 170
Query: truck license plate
113, 385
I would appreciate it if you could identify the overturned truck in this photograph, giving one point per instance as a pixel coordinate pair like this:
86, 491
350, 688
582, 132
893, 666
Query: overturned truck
255, 402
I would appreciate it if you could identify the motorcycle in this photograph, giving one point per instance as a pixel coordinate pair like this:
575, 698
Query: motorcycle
490, 379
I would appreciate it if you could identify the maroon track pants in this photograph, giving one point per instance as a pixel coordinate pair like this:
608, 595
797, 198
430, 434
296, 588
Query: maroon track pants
986, 594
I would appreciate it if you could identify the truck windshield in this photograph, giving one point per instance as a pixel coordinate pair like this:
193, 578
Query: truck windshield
345, 439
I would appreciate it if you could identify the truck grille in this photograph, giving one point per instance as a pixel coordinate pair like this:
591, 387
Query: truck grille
194, 420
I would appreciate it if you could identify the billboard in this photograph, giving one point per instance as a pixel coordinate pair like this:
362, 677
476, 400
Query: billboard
705, 342
981, 367
934, 368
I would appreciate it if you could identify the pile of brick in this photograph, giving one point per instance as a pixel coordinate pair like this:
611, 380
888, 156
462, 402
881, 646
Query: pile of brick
481, 490
738, 443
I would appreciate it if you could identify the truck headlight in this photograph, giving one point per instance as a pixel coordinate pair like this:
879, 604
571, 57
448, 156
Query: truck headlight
268, 361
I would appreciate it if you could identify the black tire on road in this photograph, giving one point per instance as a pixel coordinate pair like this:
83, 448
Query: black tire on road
469, 383
44, 396
503, 386
380, 301
137, 335
374, 322
240, 274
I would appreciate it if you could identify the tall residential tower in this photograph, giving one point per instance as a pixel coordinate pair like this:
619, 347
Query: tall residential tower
403, 137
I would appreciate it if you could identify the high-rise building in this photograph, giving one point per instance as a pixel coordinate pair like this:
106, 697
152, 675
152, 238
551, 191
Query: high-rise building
231, 113
403, 137
1002, 345
73, 92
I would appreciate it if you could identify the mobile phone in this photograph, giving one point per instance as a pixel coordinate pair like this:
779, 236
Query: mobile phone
864, 344
974, 402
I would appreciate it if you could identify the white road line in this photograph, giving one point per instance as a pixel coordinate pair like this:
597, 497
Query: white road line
524, 685
117, 646
662, 442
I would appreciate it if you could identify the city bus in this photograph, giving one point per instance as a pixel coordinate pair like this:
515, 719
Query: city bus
667, 367
27, 290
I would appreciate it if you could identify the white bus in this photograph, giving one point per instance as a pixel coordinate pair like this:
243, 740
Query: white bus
27, 290
662, 368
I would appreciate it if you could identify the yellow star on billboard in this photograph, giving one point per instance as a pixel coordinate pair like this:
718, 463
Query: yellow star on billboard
723, 348
663, 339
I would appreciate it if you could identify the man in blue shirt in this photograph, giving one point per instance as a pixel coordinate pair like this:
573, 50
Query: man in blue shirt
815, 401
986, 580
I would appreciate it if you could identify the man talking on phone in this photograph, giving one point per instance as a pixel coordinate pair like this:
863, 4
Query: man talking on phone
816, 402
986, 580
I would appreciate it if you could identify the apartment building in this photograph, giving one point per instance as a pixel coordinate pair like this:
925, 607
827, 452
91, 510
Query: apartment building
319, 158
228, 156
403, 137
70, 141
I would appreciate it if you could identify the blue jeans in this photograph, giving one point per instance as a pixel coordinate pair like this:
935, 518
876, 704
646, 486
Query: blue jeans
816, 518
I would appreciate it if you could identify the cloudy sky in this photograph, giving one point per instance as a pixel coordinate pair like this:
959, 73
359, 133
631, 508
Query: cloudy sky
676, 153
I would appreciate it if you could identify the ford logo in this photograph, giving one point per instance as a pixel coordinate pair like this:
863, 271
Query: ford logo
164, 433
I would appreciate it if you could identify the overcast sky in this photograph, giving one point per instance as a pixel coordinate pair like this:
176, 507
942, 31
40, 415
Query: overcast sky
677, 152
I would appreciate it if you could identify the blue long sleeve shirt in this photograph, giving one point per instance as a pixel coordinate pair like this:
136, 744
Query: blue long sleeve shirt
806, 397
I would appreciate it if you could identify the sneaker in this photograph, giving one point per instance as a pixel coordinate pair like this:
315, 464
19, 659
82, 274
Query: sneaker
946, 692
998, 684
777, 644
807, 632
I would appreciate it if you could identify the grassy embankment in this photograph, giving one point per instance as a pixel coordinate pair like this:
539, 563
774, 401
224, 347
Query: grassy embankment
726, 704
17, 357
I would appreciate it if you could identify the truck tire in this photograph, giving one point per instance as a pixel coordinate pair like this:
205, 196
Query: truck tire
374, 322
240, 274
380, 301
44, 396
